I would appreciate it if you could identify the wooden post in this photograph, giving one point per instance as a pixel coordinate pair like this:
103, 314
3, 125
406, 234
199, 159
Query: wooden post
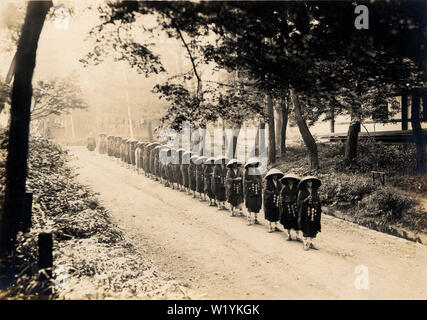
332, 123
45, 244
27, 211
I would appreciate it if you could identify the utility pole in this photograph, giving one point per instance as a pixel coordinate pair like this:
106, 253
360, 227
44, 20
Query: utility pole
128, 105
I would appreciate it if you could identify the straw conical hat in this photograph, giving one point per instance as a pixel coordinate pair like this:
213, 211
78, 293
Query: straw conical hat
290, 176
233, 161
210, 160
220, 159
273, 172
201, 159
316, 182
253, 161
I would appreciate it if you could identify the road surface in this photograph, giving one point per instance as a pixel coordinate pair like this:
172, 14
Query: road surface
219, 257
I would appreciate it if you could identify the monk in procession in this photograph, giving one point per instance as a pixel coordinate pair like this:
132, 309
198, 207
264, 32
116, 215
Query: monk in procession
310, 209
102, 145
177, 169
252, 182
207, 174
272, 202
218, 181
289, 211
184, 170
146, 158
117, 145
153, 160
138, 157
162, 165
109, 146
123, 151
200, 177
132, 148
156, 163
171, 168
234, 186
91, 143
192, 175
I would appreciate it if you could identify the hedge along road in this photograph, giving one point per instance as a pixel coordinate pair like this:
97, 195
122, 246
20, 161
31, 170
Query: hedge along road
219, 257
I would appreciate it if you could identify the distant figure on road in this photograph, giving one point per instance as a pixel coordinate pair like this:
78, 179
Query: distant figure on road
207, 175
218, 181
138, 156
176, 165
200, 177
234, 186
91, 143
192, 175
102, 144
309, 209
184, 170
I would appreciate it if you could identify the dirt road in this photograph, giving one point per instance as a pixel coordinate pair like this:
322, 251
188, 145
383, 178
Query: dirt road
220, 257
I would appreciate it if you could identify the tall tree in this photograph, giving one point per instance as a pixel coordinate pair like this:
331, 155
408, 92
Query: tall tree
16, 163
271, 131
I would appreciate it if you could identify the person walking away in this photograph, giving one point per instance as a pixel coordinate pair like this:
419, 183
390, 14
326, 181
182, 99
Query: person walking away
218, 181
192, 175
234, 186
208, 173
184, 170
200, 179
91, 143
177, 169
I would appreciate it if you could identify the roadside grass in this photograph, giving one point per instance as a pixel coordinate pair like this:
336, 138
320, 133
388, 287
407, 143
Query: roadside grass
92, 258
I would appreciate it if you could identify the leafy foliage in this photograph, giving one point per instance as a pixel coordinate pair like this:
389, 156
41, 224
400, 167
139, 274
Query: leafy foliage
56, 96
116, 41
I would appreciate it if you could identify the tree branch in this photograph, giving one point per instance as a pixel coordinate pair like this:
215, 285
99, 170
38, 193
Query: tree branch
178, 30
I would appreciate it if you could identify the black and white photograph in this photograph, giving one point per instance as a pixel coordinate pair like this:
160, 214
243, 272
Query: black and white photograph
190, 151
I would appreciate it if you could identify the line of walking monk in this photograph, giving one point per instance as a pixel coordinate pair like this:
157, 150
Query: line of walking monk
288, 199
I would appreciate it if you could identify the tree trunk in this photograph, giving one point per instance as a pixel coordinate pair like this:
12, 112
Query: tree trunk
271, 132
16, 163
418, 133
224, 137
332, 123
308, 139
285, 113
350, 153
260, 138
236, 133
278, 128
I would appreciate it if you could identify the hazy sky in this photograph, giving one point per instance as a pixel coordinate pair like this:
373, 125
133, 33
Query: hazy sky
61, 48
